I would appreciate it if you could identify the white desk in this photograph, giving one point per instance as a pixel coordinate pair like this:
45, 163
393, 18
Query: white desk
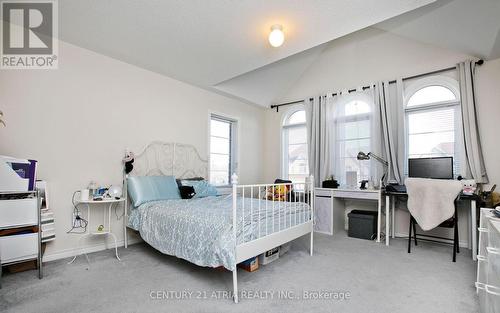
328, 202
329, 208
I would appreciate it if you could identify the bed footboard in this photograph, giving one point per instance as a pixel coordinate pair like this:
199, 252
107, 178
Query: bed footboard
286, 213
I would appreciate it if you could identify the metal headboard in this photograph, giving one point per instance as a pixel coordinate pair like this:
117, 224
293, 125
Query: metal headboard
170, 158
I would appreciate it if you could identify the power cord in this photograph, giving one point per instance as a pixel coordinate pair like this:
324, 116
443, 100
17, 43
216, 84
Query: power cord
78, 222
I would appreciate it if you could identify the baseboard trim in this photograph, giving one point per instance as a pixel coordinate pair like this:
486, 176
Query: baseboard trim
67, 253
461, 244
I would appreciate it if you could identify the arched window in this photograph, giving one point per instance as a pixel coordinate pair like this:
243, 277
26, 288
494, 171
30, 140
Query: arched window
356, 107
432, 109
353, 133
294, 137
431, 95
297, 117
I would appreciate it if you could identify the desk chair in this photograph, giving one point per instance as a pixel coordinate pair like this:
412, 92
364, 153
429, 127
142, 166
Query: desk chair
450, 223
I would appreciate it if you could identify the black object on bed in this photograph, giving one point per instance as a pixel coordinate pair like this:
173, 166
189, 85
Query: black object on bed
179, 180
187, 192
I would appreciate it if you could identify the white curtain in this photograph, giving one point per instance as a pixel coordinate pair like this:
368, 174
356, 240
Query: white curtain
389, 99
317, 138
474, 156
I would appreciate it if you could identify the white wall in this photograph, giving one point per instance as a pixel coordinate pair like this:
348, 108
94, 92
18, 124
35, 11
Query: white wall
78, 120
371, 55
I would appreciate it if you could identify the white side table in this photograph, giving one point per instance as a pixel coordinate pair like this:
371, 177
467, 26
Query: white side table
107, 229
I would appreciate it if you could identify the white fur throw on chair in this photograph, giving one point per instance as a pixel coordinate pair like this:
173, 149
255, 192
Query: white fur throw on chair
431, 201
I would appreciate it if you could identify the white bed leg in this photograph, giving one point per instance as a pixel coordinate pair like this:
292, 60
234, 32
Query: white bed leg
235, 286
311, 200
125, 236
125, 212
234, 181
312, 242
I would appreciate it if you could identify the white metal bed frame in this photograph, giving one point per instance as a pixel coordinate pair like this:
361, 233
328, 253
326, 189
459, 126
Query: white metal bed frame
184, 161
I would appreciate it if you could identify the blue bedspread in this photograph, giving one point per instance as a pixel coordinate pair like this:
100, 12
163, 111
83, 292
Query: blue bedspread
201, 230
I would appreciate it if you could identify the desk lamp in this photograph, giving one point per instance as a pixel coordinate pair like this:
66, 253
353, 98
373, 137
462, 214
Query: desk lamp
367, 156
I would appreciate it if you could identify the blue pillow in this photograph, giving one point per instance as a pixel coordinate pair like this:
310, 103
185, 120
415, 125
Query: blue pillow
144, 189
201, 187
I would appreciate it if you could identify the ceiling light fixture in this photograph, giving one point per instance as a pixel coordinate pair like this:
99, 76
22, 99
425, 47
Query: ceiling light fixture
276, 36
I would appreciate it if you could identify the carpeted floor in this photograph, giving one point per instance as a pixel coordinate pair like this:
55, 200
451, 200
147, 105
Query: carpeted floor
357, 275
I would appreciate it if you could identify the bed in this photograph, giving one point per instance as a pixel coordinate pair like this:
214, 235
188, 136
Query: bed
221, 230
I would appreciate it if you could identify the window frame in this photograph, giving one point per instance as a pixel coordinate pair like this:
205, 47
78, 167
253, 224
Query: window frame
233, 145
365, 116
419, 84
284, 138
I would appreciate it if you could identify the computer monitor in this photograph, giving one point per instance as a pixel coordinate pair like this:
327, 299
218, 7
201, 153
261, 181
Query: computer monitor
437, 168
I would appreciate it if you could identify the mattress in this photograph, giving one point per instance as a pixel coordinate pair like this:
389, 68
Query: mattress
201, 230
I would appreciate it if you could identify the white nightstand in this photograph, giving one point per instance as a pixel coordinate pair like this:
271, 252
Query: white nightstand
107, 230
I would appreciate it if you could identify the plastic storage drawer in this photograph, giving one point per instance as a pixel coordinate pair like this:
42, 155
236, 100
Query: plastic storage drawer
18, 247
18, 212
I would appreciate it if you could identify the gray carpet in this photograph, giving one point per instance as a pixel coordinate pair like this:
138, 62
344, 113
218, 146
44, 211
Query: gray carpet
377, 279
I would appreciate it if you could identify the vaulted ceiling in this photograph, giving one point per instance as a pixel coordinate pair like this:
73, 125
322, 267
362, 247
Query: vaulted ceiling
471, 27
220, 45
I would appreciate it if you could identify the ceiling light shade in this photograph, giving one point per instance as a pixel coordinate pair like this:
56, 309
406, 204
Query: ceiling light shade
276, 37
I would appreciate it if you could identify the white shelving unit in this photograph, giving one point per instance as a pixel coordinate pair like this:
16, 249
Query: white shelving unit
20, 229
488, 262
47, 220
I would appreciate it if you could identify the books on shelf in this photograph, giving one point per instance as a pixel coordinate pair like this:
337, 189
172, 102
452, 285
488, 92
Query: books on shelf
47, 216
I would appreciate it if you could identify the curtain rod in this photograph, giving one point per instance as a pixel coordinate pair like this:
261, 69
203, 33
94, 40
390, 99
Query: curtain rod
276, 106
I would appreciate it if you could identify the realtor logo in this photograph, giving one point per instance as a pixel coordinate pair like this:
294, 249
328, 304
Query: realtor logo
29, 35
